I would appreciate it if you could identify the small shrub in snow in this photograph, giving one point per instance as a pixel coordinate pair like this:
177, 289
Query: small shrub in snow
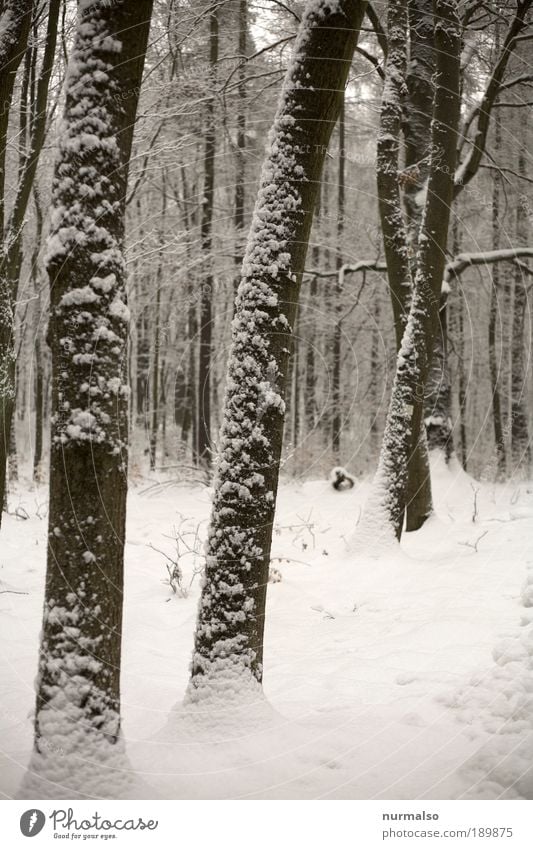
188, 544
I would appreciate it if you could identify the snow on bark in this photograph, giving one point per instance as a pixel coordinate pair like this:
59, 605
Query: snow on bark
78, 751
418, 108
388, 149
437, 408
385, 508
228, 646
465, 260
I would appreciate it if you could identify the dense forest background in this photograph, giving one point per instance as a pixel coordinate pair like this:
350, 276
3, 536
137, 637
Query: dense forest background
206, 105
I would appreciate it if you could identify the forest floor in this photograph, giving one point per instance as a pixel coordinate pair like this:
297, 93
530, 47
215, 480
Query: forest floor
406, 674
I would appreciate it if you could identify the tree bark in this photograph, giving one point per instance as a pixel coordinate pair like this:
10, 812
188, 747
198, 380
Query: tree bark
240, 154
15, 20
229, 633
437, 413
520, 444
499, 438
417, 132
11, 260
77, 718
336, 392
206, 235
39, 348
154, 405
401, 243
404, 419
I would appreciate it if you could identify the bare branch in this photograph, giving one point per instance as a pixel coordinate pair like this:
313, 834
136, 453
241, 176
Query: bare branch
470, 164
466, 260
373, 17
375, 62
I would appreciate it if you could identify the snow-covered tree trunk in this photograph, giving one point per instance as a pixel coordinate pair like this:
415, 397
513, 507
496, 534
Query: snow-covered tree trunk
77, 718
407, 100
388, 151
387, 502
418, 108
229, 634
417, 133
437, 413
400, 241
438, 391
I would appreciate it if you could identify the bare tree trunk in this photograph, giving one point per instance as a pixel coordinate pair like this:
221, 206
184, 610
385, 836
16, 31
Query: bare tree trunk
499, 439
15, 20
206, 230
310, 376
77, 718
154, 405
39, 410
39, 344
143, 367
240, 176
296, 382
520, 444
462, 383
11, 261
157, 377
375, 374
229, 633
310, 405
336, 393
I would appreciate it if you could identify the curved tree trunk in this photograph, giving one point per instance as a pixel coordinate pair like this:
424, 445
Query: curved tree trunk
77, 719
401, 242
229, 633
387, 502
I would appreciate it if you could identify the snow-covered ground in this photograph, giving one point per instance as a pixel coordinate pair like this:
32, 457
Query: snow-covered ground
391, 675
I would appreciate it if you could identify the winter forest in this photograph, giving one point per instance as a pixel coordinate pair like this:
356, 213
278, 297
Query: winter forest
266, 399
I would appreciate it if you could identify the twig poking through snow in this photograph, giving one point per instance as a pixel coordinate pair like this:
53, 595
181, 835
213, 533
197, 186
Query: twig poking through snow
475, 544
14, 592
